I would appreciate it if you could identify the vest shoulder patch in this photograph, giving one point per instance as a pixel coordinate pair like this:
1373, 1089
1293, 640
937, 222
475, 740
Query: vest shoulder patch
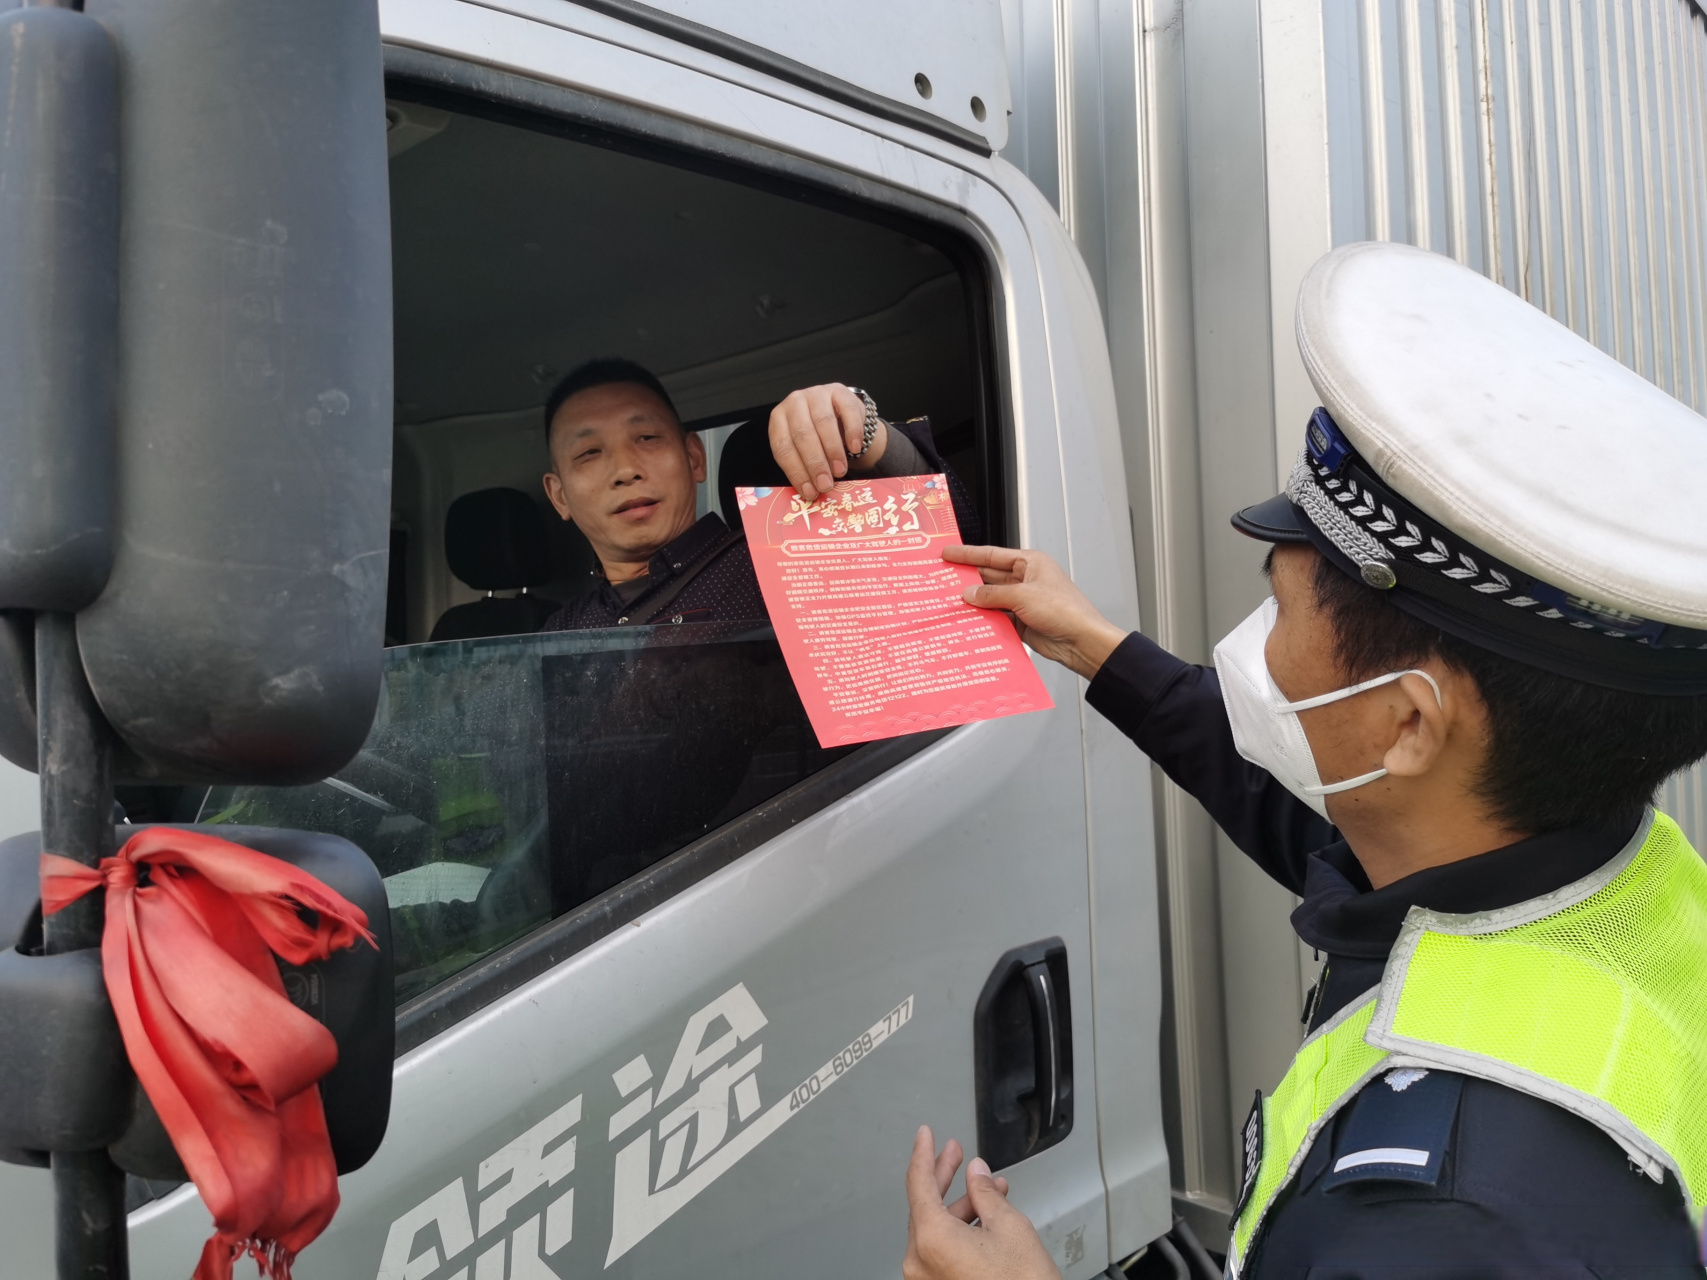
1396, 1133
1250, 1156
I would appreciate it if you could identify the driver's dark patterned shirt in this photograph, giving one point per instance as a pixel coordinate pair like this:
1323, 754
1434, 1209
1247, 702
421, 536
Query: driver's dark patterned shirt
725, 589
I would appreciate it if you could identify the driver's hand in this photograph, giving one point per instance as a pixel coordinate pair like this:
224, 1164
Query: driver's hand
1054, 616
814, 431
978, 1237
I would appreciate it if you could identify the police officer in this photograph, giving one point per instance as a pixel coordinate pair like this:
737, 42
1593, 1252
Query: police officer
1485, 649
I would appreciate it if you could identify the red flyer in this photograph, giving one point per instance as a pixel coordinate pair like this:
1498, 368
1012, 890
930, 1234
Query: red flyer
870, 617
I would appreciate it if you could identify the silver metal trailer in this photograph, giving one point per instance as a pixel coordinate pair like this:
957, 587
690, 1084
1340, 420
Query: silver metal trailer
1203, 155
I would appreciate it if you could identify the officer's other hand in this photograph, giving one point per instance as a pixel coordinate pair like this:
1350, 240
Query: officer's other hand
1053, 615
814, 431
978, 1237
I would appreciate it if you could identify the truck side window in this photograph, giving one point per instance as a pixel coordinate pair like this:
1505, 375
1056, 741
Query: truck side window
511, 779
515, 776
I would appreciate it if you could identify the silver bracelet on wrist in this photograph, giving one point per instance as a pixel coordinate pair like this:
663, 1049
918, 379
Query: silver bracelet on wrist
871, 421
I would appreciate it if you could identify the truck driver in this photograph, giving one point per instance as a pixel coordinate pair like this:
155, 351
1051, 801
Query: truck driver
1485, 650
624, 471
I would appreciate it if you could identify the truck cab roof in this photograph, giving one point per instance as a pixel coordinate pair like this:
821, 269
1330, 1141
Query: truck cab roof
940, 68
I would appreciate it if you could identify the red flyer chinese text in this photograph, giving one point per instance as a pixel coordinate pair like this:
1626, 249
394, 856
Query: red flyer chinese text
870, 617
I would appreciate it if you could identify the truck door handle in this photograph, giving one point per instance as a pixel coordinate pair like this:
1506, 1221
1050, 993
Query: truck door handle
1046, 1035
1022, 1044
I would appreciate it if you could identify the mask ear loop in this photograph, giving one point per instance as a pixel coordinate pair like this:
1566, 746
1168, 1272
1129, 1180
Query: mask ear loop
1322, 700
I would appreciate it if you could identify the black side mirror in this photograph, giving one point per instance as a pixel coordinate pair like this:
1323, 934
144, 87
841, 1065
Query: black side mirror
350, 993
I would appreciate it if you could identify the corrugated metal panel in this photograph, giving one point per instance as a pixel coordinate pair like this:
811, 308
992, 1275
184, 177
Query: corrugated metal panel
1559, 147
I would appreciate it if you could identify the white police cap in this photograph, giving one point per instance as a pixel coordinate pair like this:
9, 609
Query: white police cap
1505, 479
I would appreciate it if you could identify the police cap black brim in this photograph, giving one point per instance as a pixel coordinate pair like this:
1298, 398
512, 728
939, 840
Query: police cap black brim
1274, 520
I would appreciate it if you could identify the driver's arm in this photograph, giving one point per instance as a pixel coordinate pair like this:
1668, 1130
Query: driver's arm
815, 432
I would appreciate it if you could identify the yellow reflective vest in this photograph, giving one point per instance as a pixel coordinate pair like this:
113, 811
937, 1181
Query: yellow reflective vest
1593, 997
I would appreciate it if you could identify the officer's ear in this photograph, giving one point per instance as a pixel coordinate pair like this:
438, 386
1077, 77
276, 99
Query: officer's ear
1425, 714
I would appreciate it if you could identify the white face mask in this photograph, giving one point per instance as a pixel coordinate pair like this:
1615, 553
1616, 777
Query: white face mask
1266, 729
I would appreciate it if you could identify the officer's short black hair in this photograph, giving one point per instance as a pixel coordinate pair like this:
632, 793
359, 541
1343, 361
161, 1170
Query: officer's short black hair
1561, 752
603, 372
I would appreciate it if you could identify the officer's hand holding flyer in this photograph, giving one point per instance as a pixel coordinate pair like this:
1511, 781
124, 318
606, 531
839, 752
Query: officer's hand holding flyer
871, 619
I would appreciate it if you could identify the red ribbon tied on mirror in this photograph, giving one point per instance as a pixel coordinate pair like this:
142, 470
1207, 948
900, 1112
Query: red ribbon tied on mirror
231, 1065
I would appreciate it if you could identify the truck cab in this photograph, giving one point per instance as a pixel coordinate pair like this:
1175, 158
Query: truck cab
713, 1042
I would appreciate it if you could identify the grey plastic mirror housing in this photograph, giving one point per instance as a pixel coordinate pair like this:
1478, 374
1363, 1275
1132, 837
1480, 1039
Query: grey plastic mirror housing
239, 635
18, 689
67, 1080
65, 1084
58, 307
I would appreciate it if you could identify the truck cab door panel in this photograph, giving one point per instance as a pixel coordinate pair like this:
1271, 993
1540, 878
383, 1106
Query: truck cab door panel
735, 1074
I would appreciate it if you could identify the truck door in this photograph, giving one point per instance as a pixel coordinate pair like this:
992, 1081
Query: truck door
675, 985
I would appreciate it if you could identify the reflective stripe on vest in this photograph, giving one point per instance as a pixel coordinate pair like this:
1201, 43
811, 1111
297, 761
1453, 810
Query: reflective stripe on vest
1588, 997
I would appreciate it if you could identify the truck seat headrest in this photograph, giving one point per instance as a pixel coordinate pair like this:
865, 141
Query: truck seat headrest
498, 540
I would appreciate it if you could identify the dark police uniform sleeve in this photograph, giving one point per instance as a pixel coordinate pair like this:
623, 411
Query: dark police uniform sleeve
1515, 1187
1173, 711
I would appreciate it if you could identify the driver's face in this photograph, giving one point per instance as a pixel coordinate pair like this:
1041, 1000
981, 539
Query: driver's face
624, 471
